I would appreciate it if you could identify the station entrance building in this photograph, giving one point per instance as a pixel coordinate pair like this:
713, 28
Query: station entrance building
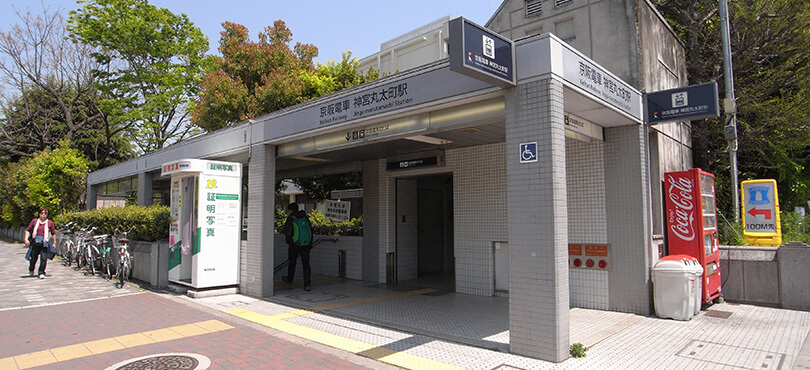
502, 189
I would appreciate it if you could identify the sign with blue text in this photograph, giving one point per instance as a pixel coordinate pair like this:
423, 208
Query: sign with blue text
528, 152
480, 53
683, 103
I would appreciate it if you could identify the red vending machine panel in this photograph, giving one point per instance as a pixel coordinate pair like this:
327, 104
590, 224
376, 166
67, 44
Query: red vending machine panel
692, 223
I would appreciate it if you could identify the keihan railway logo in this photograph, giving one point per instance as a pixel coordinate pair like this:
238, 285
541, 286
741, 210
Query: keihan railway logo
488, 46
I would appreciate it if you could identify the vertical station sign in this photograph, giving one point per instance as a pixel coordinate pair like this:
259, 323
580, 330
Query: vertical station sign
482, 54
761, 221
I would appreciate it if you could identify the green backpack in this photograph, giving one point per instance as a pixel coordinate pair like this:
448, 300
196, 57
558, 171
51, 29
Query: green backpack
302, 235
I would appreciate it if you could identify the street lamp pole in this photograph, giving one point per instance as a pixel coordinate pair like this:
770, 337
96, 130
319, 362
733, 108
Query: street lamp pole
730, 108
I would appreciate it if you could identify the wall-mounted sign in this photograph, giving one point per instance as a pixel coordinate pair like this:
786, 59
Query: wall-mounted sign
480, 53
423, 159
580, 126
528, 152
592, 78
683, 103
337, 211
589, 256
412, 163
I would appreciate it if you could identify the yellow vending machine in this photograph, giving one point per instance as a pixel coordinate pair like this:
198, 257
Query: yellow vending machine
205, 227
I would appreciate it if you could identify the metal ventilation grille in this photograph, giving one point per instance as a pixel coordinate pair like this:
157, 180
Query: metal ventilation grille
534, 7
561, 2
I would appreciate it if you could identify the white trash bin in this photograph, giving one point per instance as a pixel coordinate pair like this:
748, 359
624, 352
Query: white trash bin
677, 287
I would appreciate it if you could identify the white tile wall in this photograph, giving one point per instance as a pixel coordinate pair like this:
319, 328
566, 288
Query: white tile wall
587, 218
479, 213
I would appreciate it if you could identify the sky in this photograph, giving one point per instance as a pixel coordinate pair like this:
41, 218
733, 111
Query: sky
359, 26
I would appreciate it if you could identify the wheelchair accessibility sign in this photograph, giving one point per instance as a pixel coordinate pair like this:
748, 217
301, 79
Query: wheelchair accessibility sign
528, 152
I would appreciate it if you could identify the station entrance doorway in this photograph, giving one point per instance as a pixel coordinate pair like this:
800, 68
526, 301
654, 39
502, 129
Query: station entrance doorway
424, 246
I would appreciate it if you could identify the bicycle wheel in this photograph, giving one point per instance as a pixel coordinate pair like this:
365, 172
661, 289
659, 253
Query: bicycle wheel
106, 265
91, 261
121, 271
130, 263
80, 257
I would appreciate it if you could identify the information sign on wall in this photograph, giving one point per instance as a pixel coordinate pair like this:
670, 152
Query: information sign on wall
337, 211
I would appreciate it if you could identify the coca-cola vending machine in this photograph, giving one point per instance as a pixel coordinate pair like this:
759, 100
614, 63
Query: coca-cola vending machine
692, 223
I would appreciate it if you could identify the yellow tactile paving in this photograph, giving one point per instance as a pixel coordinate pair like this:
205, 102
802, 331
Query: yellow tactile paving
382, 354
34, 359
53, 355
69, 352
214, 325
103, 345
134, 340
189, 330
8, 363
162, 335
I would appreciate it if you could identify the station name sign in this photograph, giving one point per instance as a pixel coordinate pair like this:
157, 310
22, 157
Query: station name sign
683, 103
428, 159
480, 53
592, 78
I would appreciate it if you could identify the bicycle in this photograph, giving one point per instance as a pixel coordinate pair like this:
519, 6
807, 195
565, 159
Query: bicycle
67, 248
90, 257
104, 244
125, 259
81, 248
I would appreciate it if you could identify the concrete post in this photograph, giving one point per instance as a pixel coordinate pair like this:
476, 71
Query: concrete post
538, 222
260, 214
145, 189
90, 199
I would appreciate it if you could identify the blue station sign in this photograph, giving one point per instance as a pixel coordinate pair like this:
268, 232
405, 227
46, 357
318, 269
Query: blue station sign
683, 103
480, 53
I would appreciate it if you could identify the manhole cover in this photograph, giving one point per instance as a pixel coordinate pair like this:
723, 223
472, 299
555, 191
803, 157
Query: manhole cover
180, 361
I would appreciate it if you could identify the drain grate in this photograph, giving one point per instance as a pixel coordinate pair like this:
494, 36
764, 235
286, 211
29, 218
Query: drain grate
179, 361
718, 314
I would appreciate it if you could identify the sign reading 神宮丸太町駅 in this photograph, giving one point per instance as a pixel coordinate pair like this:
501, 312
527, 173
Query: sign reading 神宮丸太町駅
480, 53
683, 103
592, 78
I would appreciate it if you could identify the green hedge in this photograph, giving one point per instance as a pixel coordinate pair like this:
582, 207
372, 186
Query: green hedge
322, 226
149, 223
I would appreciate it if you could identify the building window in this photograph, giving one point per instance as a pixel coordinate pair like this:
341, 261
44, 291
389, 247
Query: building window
533, 7
561, 2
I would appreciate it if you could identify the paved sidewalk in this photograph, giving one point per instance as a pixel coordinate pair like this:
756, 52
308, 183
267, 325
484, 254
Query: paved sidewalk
355, 324
93, 325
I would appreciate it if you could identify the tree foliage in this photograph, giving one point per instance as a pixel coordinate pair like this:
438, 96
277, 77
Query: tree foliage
318, 187
257, 77
48, 85
770, 46
52, 178
51, 95
149, 65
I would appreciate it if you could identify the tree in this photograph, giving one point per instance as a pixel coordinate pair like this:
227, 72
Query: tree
771, 59
150, 62
52, 178
255, 78
35, 121
50, 83
319, 187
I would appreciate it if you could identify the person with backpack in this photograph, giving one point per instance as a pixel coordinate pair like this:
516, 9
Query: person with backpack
298, 231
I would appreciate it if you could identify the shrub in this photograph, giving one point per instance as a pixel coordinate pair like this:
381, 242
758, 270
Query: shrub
148, 223
322, 226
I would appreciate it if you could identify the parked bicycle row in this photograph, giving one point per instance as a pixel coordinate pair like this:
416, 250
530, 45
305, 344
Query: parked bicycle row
104, 254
